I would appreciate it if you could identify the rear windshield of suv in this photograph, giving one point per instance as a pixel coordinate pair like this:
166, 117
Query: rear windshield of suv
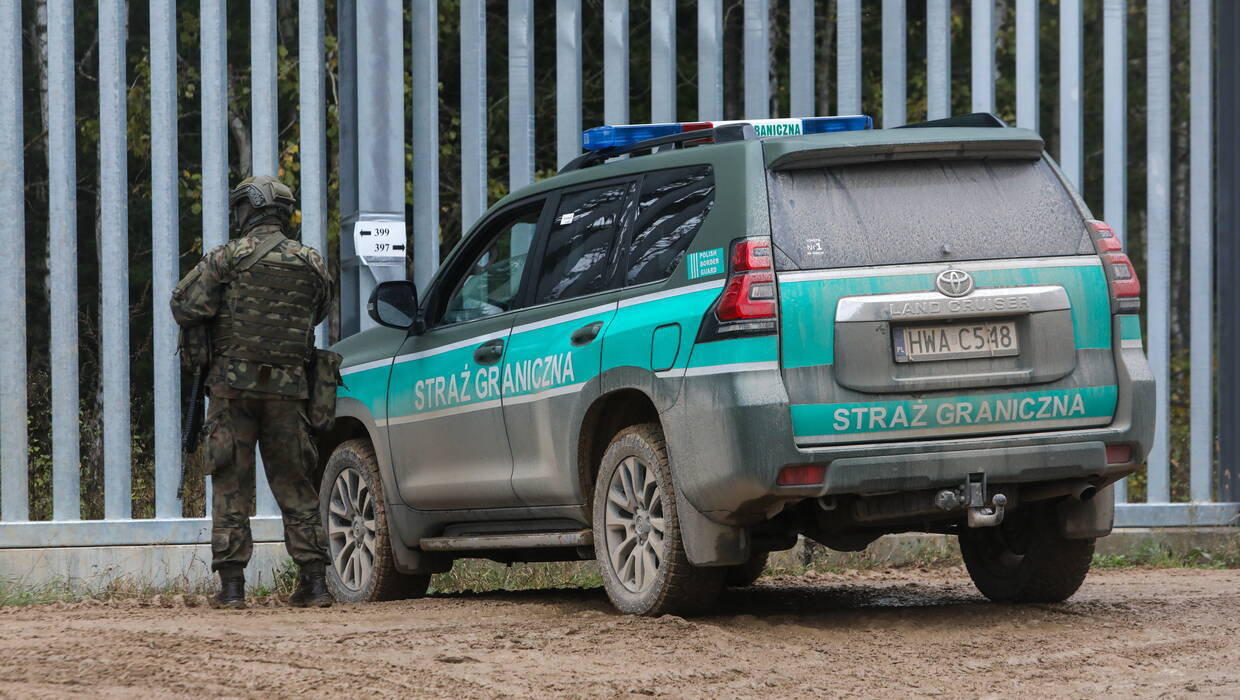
922, 211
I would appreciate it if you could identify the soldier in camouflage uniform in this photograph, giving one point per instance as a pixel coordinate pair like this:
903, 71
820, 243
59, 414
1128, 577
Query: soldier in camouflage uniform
260, 295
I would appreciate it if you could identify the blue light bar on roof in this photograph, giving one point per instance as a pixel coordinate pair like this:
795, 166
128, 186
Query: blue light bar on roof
622, 135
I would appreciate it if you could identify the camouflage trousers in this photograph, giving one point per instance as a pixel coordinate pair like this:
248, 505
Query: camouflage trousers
289, 458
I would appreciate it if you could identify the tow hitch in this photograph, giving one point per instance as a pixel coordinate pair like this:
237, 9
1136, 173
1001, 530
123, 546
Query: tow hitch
971, 495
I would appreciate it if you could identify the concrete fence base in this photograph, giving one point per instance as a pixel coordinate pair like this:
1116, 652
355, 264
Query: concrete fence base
89, 569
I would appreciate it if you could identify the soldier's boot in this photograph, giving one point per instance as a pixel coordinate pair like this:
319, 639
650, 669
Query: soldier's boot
232, 590
311, 589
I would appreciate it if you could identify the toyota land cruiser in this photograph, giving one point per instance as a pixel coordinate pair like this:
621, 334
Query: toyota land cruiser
675, 363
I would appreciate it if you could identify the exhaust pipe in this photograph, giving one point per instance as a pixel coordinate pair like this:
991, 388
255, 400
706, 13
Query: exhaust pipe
1077, 489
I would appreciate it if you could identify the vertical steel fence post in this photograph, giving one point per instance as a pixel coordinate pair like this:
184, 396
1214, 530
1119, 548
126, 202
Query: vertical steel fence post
313, 143
520, 94
1115, 133
1201, 228
165, 256
1227, 238
848, 56
757, 59
1115, 115
1158, 239
425, 113
264, 159
214, 60
62, 273
895, 64
1027, 34
352, 315
662, 60
801, 57
983, 50
939, 59
616, 60
710, 59
1071, 116
263, 107
114, 261
13, 412
473, 112
567, 80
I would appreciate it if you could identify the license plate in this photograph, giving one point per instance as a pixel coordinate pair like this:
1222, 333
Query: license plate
955, 341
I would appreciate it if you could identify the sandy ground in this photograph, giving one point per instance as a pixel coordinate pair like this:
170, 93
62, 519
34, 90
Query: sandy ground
874, 633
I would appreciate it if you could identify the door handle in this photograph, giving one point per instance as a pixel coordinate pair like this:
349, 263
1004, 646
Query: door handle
585, 334
489, 352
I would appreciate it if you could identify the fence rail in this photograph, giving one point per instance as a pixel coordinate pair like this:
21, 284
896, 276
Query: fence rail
373, 176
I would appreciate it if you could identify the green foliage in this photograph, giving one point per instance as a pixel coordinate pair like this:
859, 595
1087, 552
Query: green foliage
477, 576
1153, 555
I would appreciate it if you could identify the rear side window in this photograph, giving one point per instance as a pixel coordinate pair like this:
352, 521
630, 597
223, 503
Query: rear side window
580, 243
672, 206
922, 211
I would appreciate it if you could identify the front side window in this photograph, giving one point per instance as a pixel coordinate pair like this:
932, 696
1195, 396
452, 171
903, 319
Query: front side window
581, 242
672, 207
491, 282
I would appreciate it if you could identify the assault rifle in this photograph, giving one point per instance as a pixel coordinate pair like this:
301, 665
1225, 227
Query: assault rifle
195, 350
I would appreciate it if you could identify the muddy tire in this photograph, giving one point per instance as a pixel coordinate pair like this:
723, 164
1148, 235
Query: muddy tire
742, 575
637, 533
362, 567
1025, 559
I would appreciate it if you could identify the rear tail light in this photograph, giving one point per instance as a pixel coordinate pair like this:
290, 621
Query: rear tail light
1121, 276
801, 475
747, 305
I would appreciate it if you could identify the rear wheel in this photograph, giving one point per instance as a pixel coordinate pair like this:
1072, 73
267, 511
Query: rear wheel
1024, 559
637, 533
354, 515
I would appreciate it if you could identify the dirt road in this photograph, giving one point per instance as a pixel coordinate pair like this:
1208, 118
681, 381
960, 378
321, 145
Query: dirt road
874, 633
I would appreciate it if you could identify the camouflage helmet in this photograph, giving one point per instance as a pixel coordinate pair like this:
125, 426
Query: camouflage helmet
259, 197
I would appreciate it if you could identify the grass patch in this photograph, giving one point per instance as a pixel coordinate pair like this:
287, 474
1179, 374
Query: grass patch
1153, 555
480, 575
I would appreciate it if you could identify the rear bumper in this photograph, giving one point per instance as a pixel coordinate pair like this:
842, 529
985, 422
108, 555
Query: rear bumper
729, 435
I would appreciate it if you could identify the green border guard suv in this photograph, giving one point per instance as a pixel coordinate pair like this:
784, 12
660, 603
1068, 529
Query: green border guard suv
678, 361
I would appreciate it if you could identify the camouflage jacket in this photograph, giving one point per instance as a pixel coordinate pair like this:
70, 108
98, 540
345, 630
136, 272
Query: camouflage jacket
199, 298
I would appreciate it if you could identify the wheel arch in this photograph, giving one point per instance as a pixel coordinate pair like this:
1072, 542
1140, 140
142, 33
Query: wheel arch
608, 415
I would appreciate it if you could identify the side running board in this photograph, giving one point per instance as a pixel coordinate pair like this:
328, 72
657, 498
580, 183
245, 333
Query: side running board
522, 540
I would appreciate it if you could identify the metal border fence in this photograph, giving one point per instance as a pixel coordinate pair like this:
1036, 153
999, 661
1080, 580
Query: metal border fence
372, 112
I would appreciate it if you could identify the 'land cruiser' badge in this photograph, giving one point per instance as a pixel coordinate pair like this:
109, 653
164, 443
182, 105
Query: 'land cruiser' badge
954, 283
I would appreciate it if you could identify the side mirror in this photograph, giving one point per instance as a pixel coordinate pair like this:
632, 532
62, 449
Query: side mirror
394, 304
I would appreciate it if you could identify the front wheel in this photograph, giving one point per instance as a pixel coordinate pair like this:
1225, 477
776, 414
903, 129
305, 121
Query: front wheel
637, 533
354, 516
1024, 559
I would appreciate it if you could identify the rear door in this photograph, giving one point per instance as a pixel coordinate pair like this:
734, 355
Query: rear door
550, 371
937, 298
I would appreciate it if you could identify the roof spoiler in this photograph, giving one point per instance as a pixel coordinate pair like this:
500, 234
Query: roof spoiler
983, 119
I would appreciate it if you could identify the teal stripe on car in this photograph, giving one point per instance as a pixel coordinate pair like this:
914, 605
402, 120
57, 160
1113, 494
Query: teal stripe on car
906, 418
369, 386
1129, 327
763, 348
808, 306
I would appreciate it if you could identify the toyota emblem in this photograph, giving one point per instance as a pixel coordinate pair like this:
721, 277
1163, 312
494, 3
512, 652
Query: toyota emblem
954, 283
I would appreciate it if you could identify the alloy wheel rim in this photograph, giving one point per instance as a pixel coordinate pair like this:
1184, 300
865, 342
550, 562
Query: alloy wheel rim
351, 529
634, 525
